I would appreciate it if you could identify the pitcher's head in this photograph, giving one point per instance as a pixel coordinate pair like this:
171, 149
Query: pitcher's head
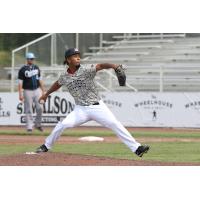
72, 57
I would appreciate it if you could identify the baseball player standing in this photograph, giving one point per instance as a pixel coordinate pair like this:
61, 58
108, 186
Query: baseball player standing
30, 87
79, 80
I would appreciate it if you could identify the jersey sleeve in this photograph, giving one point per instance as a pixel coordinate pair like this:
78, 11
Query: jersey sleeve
91, 70
21, 74
61, 79
39, 74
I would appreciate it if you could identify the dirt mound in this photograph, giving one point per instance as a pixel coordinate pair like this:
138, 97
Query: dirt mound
61, 159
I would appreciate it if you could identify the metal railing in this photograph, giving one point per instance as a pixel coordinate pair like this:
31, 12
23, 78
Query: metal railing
26, 47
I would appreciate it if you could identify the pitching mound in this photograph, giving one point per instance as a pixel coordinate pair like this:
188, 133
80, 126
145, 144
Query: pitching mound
61, 159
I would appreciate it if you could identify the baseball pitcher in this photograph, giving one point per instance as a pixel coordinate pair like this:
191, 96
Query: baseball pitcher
79, 79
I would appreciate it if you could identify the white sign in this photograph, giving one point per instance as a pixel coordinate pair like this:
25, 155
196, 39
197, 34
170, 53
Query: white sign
156, 109
12, 112
132, 109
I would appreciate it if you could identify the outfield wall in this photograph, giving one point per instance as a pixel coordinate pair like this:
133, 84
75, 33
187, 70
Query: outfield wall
132, 109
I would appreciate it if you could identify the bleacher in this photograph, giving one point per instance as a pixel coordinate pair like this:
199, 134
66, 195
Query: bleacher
154, 63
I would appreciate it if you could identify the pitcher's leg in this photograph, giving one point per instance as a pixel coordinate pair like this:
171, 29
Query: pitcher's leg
75, 118
55, 134
121, 132
105, 117
39, 108
28, 101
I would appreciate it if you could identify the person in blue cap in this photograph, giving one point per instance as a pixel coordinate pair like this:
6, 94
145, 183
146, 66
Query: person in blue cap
30, 87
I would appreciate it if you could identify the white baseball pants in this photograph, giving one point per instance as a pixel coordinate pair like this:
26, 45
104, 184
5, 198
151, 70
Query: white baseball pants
99, 113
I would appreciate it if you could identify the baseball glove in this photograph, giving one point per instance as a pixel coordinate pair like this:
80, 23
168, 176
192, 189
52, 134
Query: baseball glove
120, 73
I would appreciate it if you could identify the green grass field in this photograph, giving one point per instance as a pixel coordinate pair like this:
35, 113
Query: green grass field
81, 133
166, 152
160, 151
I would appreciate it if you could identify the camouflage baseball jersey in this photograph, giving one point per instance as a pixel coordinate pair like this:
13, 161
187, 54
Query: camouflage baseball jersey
81, 85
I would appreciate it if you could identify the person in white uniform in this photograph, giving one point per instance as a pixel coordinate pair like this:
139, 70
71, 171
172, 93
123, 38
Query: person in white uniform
79, 80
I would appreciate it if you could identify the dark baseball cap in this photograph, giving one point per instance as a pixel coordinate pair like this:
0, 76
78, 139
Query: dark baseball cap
71, 52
